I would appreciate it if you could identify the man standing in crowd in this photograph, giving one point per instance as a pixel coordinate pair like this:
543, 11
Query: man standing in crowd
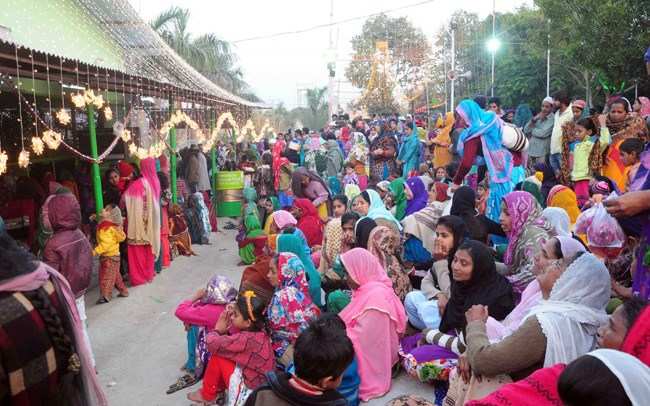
563, 114
538, 130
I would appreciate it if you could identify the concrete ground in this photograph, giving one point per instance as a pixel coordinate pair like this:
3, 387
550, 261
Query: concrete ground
139, 345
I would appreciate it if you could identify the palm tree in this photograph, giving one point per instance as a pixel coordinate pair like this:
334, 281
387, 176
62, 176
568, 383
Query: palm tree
208, 54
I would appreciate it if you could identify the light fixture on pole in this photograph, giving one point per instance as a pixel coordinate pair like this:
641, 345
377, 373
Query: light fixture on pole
493, 46
493, 43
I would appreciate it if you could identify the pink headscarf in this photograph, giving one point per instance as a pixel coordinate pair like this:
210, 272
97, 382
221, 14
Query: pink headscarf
375, 341
524, 211
34, 280
375, 289
284, 219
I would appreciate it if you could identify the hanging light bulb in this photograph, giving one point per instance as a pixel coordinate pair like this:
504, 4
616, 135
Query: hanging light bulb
79, 100
3, 162
98, 101
52, 139
63, 117
126, 135
23, 159
108, 113
37, 145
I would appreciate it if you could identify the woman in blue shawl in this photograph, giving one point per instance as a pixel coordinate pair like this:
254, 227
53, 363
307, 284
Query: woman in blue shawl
486, 127
523, 114
295, 245
409, 154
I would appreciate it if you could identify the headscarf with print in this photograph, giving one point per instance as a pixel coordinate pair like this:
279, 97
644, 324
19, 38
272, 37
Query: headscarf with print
527, 229
291, 308
295, 245
384, 244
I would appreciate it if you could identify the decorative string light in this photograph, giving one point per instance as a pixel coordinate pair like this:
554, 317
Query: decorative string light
62, 115
23, 157
37, 144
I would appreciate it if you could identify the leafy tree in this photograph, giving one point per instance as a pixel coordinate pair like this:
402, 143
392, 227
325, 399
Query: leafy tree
317, 103
601, 40
407, 54
208, 54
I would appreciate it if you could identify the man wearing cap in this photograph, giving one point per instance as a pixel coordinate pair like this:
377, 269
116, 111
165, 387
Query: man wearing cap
538, 130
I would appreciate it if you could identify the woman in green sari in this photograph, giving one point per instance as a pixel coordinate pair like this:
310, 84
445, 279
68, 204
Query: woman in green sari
396, 189
252, 245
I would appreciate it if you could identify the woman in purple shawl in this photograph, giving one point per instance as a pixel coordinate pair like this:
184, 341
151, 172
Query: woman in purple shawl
416, 195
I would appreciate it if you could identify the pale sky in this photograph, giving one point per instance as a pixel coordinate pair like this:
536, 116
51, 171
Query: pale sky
276, 68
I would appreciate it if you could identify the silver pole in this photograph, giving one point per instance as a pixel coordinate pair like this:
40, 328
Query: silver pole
453, 65
548, 60
444, 61
494, 2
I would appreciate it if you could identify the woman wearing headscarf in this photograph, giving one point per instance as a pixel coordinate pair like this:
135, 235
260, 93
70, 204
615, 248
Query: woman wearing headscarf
560, 328
474, 281
195, 217
463, 205
275, 223
253, 244
384, 244
369, 204
398, 195
332, 238
559, 220
525, 227
442, 141
621, 125
481, 141
295, 245
409, 153
532, 188
334, 156
375, 319
523, 114
564, 198
291, 308
416, 195
383, 150
142, 199
179, 235
308, 221
281, 170
308, 185
44, 355
628, 331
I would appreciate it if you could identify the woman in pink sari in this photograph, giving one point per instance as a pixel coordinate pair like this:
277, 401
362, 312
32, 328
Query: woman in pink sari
374, 320
142, 199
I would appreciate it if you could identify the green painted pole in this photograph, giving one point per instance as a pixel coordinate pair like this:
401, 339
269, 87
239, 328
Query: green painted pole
213, 159
96, 178
172, 164
172, 156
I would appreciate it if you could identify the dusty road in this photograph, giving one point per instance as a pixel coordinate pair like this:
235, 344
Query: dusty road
139, 345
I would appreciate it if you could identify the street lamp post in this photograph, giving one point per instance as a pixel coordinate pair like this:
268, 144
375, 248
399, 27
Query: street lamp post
493, 45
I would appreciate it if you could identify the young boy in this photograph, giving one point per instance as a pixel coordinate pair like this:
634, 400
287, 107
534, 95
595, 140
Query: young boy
321, 356
109, 236
631, 150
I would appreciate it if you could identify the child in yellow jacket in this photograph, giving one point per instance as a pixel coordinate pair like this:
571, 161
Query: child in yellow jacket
109, 236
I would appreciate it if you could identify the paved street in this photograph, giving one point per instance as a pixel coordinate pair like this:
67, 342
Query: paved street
139, 344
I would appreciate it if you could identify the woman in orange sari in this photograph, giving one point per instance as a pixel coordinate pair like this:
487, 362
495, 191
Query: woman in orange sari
441, 142
622, 125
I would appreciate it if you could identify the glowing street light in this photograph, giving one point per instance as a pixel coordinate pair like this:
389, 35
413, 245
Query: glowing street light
493, 45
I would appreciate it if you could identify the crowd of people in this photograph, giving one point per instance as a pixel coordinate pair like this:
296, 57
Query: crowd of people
500, 256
